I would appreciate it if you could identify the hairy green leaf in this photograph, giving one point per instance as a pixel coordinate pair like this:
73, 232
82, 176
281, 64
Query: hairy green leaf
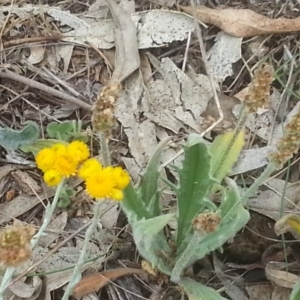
198, 291
12, 140
225, 151
151, 242
195, 182
40, 144
133, 205
149, 184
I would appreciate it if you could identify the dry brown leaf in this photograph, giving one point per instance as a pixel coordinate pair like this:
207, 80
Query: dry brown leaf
94, 282
281, 278
243, 22
127, 54
28, 185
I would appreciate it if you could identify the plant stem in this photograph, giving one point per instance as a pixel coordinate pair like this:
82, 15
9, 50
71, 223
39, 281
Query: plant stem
258, 182
48, 215
9, 272
104, 149
183, 261
76, 276
47, 219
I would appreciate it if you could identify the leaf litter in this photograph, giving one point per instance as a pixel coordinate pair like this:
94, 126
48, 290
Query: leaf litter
158, 101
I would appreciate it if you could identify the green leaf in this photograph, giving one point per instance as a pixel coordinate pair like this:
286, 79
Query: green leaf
81, 136
133, 205
198, 291
149, 183
151, 242
233, 218
52, 129
295, 295
195, 182
225, 152
63, 131
40, 144
13, 140
66, 127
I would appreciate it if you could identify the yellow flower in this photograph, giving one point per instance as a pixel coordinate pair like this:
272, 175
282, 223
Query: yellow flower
116, 194
45, 158
59, 148
78, 150
101, 184
89, 167
65, 165
122, 178
52, 177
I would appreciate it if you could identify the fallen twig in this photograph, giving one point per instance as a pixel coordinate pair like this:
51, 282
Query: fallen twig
4, 73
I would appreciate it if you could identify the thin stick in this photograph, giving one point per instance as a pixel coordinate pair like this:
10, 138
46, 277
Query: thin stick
188, 43
4, 73
206, 65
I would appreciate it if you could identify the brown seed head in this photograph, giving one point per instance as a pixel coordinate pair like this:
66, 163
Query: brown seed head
288, 145
103, 119
206, 222
259, 89
15, 245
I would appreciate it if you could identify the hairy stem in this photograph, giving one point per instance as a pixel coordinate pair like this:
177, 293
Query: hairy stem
104, 151
76, 276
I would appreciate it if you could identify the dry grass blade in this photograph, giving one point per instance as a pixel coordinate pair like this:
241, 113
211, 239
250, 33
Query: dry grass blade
243, 22
127, 55
94, 282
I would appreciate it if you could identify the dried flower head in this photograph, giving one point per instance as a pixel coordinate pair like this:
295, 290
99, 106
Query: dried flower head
103, 118
206, 222
15, 247
288, 145
259, 89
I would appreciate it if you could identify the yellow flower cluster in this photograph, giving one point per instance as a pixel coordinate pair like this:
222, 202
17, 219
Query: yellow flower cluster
103, 182
62, 160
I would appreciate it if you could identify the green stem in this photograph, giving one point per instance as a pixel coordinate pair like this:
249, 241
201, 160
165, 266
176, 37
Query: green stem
76, 275
48, 215
258, 182
9, 272
187, 255
104, 149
